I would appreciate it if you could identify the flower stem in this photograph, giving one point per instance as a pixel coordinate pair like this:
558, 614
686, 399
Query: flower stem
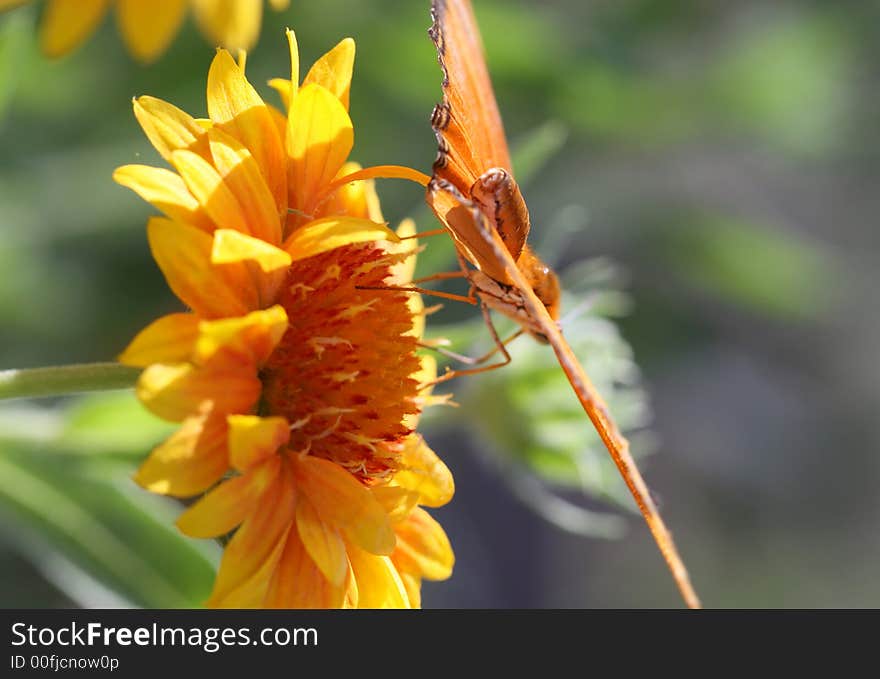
66, 379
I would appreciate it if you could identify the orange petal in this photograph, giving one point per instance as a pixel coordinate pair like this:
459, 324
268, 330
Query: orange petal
329, 233
250, 338
379, 584
342, 501
378, 172
322, 542
230, 503
251, 592
422, 547
168, 128
183, 253
166, 191
191, 460
170, 339
242, 175
254, 543
252, 439
148, 26
354, 199
425, 473
333, 71
298, 583
234, 105
319, 138
68, 23
174, 392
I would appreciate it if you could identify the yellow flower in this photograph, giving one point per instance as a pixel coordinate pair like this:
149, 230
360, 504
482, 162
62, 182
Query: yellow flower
296, 382
149, 26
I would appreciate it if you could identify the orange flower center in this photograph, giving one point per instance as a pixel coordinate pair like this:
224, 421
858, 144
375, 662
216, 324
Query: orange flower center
342, 373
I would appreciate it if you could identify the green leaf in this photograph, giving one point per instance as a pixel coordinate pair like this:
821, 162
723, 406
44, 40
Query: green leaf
119, 535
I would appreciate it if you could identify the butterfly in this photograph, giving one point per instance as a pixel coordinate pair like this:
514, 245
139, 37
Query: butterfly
475, 196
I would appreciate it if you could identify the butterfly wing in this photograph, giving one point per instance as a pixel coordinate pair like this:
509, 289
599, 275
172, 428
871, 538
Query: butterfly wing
470, 134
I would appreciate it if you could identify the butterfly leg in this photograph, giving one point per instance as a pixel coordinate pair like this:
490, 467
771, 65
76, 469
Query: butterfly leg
423, 291
470, 360
499, 346
425, 234
443, 276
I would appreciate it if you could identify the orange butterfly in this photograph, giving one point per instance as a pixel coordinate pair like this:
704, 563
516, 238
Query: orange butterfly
473, 193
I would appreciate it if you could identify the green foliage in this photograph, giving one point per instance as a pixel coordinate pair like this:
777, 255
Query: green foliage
757, 267
65, 486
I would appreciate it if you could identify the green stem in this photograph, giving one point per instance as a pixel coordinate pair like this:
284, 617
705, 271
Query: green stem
66, 379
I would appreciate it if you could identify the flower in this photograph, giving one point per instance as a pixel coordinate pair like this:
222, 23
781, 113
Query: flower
294, 376
147, 26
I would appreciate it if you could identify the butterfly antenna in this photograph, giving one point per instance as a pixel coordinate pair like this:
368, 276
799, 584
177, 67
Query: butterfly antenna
597, 411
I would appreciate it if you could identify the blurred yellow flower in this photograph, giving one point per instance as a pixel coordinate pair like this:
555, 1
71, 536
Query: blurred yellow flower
149, 26
296, 382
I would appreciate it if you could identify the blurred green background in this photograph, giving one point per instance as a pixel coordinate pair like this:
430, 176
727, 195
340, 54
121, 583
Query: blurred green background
703, 174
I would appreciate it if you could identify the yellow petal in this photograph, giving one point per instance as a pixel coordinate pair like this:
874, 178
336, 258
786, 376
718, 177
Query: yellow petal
242, 175
413, 585
379, 584
322, 542
191, 460
183, 253
423, 472
250, 338
287, 88
279, 5
148, 26
333, 71
207, 186
252, 439
255, 541
67, 23
298, 583
168, 128
170, 339
319, 138
234, 246
342, 501
284, 88
234, 24
174, 392
422, 547
235, 106
397, 501
230, 503
166, 191
426, 373
329, 233
403, 272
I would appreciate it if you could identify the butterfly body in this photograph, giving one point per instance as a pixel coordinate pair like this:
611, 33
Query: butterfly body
476, 198
473, 188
